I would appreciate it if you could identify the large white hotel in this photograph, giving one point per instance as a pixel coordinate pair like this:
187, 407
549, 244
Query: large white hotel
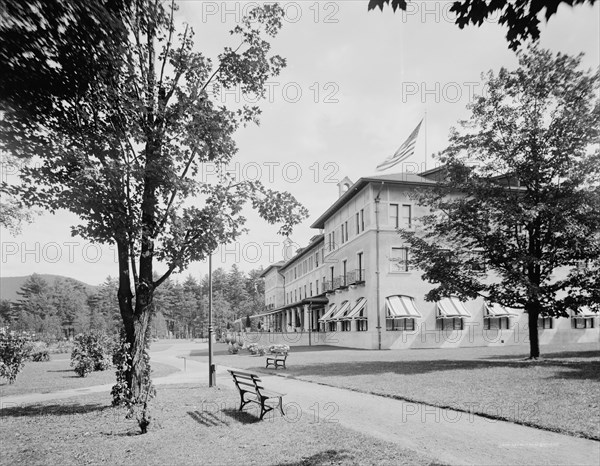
352, 286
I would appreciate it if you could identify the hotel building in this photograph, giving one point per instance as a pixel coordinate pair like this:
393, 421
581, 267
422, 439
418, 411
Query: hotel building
351, 286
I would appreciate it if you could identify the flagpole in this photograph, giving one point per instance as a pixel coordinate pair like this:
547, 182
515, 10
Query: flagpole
425, 118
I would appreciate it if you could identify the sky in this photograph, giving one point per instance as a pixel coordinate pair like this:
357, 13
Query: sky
356, 85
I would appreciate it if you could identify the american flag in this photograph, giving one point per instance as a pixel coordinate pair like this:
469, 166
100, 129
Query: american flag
404, 151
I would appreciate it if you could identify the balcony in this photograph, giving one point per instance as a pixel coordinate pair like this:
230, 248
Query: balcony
328, 286
343, 280
359, 276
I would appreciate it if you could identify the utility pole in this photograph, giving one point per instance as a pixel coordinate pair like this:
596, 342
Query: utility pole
212, 376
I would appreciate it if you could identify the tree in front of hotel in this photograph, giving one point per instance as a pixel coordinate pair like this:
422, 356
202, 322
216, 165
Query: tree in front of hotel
517, 218
117, 106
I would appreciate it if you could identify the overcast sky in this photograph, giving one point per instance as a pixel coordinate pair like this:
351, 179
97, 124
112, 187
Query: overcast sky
356, 85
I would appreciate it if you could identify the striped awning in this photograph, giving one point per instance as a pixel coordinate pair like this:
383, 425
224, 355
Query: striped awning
451, 307
329, 313
399, 307
342, 311
497, 310
357, 309
585, 311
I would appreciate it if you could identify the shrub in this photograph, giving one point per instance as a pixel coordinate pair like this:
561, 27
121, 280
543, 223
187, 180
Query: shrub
279, 349
14, 350
38, 351
91, 352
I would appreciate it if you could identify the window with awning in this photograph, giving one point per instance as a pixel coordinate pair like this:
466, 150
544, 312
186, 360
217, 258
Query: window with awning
451, 308
329, 313
583, 319
357, 312
497, 310
399, 307
342, 311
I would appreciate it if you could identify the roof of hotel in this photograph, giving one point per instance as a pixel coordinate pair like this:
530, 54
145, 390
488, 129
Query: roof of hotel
395, 178
313, 241
275, 265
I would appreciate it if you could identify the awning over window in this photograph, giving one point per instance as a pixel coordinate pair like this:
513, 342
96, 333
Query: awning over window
401, 307
357, 309
329, 313
342, 311
585, 311
451, 307
497, 310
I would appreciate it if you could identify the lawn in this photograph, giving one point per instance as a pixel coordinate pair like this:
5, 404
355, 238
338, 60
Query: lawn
193, 425
57, 374
560, 392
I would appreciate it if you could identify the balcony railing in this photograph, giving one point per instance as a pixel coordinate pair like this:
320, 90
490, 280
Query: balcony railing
337, 283
328, 286
359, 276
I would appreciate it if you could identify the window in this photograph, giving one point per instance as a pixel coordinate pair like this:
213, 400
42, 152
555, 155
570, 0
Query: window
406, 216
317, 259
332, 326
544, 322
400, 324
394, 215
361, 325
357, 223
295, 272
582, 322
346, 325
331, 274
317, 286
305, 267
360, 273
324, 285
305, 295
344, 272
310, 263
295, 295
346, 229
310, 288
496, 323
453, 323
362, 219
329, 242
399, 260
343, 236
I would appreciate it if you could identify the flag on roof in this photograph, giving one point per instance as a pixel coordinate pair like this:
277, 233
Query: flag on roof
404, 151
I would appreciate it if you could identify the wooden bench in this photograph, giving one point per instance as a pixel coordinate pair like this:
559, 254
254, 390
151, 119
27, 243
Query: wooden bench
252, 391
277, 361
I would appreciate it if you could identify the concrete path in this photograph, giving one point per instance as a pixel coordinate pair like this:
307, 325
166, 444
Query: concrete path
449, 436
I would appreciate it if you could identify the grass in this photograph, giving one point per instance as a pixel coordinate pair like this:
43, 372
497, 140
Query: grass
560, 392
193, 425
57, 374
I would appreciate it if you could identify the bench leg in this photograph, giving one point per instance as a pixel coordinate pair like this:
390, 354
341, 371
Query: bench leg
281, 406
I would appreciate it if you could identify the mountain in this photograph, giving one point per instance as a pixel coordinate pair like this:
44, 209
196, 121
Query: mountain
10, 285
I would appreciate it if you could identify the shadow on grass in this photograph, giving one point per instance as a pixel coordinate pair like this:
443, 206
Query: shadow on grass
242, 416
564, 369
327, 457
50, 410
207, 418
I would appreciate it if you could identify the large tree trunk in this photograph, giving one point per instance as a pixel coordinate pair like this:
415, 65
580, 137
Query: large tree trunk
533, 311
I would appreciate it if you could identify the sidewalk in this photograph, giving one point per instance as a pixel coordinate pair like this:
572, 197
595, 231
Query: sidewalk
449, 436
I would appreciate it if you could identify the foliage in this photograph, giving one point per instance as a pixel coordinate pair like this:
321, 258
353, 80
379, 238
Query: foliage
256, 349
122, 395
113, 100
279, 348
517, 219
38, 351
14, 351
92, 351
520, 17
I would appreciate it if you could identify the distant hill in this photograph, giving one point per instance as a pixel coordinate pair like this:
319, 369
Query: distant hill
10, 285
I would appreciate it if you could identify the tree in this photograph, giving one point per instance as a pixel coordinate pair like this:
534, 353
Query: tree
519, 16
123, 137
517, 219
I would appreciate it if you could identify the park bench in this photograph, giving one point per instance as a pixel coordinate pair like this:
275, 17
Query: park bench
277, 361
252, 391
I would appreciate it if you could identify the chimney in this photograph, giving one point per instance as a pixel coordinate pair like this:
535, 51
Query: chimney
344, 185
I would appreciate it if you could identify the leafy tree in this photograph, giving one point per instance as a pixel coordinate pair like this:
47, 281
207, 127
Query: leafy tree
35, 308
104, 307
122, 138
519, 16
517, 219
